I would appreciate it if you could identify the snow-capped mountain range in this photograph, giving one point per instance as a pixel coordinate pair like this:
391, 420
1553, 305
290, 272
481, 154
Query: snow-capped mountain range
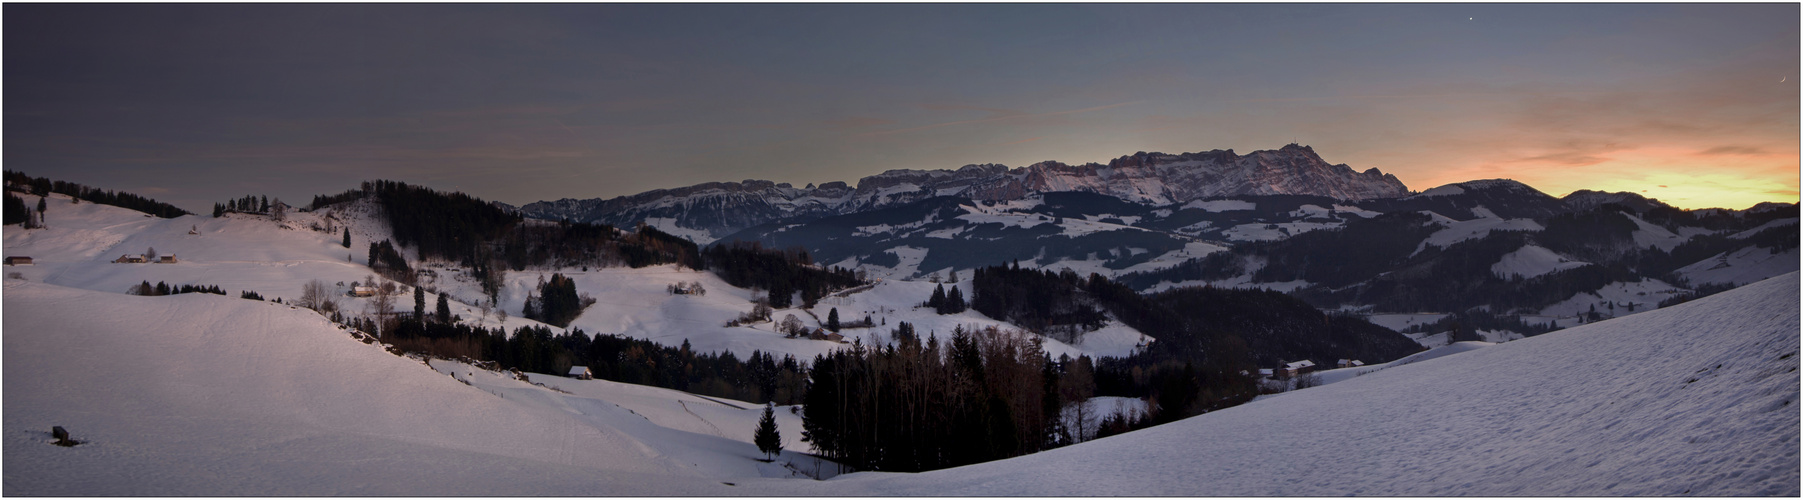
706, 212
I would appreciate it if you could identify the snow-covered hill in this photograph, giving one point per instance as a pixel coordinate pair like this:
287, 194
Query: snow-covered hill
1697, 399
199, 394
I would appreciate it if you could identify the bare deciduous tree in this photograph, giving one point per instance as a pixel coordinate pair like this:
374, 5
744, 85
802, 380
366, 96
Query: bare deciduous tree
1307, 380
383, 304
313, 293
790, 326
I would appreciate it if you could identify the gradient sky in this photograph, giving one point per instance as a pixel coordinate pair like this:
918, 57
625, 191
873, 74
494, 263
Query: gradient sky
1696, 105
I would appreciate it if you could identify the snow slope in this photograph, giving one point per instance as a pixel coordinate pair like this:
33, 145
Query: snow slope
237, 252
890, 302
1460, 230
1614, 299
1531, 261
198, 394
1698, 399
1742, 266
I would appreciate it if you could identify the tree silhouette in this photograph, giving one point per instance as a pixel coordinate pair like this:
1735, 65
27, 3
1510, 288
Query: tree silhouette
768, 440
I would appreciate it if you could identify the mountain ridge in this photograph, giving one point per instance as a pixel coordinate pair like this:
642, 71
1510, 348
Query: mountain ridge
708, 211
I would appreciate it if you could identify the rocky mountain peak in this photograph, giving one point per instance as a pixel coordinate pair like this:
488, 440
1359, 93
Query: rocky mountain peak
1151, 178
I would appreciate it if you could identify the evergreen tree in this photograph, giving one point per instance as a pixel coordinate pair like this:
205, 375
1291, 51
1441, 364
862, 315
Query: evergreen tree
937, 301
41, 205
781, 294
954, 302
768, 440
832, 319
15, 209
444, 309
347, 237
419, 304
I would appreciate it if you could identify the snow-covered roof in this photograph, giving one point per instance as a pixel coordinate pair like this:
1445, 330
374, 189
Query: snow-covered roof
578, 370
1299, 364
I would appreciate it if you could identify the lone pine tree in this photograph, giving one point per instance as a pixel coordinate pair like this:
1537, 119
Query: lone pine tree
768, 440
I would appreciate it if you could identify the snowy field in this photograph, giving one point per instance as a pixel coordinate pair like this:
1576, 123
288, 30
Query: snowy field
1742, 266
1614, 299
1460, 230
1530, 261
198, 394
1400, 322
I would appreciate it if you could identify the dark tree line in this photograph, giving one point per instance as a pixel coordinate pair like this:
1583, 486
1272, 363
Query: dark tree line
1466, 324
1341, 257
782, 273
758, 378
15, 209
487, 240
919, 406
648, 246
388, 262
1217, 331
162, 288
556, 302
1035, 300
246, 204
43, 186
944, 302
449, 226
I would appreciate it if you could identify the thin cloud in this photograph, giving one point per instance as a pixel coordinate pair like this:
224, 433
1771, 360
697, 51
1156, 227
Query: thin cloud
1572, 159
1732, 150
